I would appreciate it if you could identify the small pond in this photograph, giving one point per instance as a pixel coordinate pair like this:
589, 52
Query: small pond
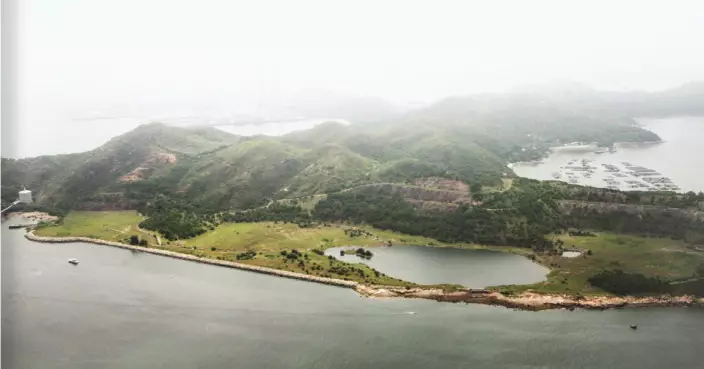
436, 265
571, 254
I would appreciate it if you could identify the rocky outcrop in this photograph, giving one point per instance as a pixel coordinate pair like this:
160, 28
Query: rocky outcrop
528, 300
145, 169
439, 183
425, 196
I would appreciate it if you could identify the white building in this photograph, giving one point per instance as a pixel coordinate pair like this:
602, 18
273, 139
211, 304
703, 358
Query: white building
26, 196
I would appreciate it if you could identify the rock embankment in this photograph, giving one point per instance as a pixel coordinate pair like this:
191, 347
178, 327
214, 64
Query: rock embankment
528, 300
253, 268
35, 215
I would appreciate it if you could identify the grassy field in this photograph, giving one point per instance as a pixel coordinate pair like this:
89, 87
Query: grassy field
106, 225
506, 184
653, 257
268, 240
264, 242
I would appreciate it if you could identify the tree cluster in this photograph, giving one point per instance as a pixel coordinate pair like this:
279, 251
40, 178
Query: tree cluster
521, 217
364, 253
620, 283
274, 213
248, 255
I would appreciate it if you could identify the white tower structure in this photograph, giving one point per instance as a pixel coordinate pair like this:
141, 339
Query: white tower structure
25, 196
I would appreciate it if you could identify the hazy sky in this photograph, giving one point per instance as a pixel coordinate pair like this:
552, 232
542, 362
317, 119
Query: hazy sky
82, 58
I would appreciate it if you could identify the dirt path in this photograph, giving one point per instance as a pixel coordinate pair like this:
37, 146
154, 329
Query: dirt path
154, 234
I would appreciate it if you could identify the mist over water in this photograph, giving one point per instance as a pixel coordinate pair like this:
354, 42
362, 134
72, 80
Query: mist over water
276, 128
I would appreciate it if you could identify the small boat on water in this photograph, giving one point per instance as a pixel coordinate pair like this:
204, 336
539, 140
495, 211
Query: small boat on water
634, 326
15, 226
73, 261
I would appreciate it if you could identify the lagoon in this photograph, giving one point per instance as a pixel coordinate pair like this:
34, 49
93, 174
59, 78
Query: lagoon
438, 265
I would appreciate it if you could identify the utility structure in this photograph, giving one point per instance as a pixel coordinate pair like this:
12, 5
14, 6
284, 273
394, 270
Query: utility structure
25, 197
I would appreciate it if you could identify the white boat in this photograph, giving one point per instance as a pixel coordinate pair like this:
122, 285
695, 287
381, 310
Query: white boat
73, 261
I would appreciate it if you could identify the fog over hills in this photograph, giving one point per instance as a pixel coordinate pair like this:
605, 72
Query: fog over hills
470, 138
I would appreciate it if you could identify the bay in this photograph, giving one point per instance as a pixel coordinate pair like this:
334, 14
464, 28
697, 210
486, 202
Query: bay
678, 157
120, 309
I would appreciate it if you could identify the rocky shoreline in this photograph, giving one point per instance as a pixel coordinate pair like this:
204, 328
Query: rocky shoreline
524, 301
529, 300
33, 215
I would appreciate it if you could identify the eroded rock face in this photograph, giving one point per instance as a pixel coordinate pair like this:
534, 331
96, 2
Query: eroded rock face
144, 170
432, 193
442, 184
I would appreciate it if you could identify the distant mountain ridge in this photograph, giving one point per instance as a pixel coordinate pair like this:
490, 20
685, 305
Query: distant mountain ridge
470, 139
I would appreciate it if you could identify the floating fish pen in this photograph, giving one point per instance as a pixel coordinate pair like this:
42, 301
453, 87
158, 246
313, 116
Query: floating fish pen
648, 174
581, 168
621, 175
642, 171
663, 180
637, 168
611, 168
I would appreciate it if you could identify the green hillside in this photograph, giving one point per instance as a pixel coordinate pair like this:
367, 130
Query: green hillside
439, 173
470, 140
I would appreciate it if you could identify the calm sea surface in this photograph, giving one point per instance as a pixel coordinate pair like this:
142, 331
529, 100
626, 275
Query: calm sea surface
680, 157
120, 309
